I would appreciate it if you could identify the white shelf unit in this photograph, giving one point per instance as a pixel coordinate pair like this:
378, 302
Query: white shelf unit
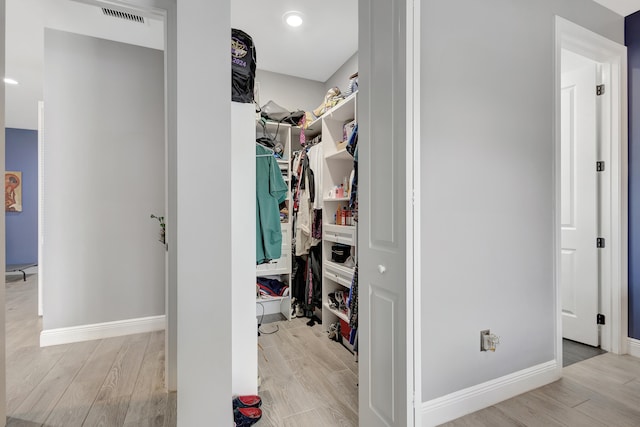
280, 268
338, 165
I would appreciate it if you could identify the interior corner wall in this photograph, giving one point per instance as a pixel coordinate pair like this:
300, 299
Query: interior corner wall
487, 190
632, 40
104, 176
21, 154
341, 77
290, 92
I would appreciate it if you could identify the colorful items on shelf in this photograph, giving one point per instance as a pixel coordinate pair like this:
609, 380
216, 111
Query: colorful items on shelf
343, 216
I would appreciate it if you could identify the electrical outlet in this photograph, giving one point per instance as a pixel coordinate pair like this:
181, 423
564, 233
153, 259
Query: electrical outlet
483, 339
488, 341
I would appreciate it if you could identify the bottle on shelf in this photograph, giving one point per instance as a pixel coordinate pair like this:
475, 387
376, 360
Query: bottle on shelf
339, 216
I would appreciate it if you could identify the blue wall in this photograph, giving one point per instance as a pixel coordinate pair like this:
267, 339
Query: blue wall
632, 40
22, 227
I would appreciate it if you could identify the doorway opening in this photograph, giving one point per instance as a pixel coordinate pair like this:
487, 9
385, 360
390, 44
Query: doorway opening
159, 185
590, 189
305, 347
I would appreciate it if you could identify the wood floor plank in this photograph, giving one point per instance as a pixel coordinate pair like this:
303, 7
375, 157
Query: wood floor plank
321, 417
112, 402
270, 415
566, 392
39, 404
75, 403
26, 369
287, 395
315, 375
610, 413
336, 390
59, 385
527, 411
565, 415
601, 391
489, 417
149, 401
594, 370
17, 422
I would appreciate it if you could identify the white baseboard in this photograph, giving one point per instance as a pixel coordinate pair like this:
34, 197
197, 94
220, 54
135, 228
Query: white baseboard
98, 331
633, 347
455, 405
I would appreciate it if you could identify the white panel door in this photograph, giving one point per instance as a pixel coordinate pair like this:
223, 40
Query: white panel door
386, 375
579, 256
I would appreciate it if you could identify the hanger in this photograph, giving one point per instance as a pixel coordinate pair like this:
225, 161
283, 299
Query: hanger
271, 152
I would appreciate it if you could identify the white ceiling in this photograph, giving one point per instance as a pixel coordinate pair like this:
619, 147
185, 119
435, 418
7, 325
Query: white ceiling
621, 7
314, 51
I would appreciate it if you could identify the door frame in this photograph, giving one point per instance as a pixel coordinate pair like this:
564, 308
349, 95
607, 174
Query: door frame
613, 206
414, 281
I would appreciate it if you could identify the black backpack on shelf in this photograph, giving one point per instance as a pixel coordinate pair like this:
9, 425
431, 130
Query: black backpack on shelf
243, 66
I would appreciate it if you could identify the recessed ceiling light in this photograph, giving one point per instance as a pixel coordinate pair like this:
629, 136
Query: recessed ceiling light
293, 18
9, 81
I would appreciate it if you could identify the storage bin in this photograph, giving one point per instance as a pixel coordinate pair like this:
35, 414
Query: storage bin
340, 253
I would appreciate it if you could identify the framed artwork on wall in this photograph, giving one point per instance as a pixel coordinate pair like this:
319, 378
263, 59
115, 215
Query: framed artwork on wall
13, 191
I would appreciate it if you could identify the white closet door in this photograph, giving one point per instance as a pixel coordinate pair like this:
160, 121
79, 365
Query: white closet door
386, 375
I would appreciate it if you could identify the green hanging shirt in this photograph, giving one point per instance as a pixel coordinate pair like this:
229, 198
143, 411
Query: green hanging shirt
271, 190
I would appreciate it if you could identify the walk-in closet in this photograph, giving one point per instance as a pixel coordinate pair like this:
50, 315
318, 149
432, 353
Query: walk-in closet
305, 134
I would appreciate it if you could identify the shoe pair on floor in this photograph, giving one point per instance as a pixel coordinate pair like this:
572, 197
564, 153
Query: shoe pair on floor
296, 310
246, 410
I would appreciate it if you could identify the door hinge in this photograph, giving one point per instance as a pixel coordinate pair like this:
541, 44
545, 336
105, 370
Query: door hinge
600, 319
600, 166
599, 90
600, 242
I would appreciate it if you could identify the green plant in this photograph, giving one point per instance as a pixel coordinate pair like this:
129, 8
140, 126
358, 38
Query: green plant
163, 227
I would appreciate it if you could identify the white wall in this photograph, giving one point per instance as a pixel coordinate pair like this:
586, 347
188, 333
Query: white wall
204, 189
341, 77
292, 93
104, 176
243, 283
487, 157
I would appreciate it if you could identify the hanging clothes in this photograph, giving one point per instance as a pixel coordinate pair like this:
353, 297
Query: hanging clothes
305, 195
352, 148
271, 190
352, 302
316, 158
313, 291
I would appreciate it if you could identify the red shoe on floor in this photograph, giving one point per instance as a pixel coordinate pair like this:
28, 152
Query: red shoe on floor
245, 417
248, 401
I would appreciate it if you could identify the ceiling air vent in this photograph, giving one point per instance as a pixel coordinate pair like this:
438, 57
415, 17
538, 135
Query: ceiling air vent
123, 15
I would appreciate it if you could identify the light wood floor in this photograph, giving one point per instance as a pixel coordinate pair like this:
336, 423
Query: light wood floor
111, 382
601, 391
307, 379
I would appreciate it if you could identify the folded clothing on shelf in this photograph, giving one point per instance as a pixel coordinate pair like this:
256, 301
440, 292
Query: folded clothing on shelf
271, 287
